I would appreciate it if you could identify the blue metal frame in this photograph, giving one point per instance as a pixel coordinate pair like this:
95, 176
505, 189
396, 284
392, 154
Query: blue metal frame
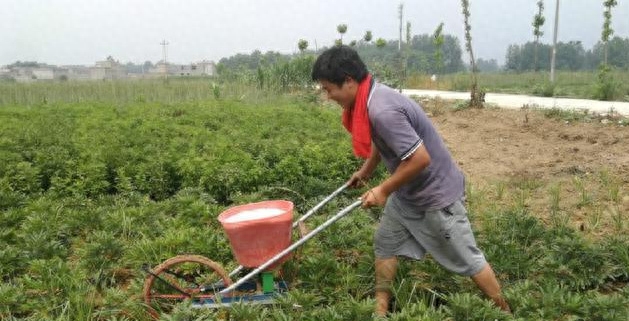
281, 287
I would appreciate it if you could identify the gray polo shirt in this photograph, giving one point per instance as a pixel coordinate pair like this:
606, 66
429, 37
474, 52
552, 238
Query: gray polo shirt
398, 127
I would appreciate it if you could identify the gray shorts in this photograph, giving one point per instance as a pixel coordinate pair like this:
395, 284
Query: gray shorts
444, 233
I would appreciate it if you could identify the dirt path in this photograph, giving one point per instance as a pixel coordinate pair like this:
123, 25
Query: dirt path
518, 101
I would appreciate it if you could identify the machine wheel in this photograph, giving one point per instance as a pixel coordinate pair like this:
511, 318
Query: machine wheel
182, 277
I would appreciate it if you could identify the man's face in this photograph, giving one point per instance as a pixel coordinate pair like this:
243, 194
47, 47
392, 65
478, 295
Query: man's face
344, 95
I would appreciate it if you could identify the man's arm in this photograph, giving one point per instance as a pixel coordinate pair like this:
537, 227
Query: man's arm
407, 170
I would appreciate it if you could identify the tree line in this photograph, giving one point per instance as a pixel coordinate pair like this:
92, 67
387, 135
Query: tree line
570, 55
423, 56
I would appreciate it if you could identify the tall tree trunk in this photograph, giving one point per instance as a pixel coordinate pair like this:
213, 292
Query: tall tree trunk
476, 97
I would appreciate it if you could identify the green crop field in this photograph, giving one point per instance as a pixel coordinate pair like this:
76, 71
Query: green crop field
97, 179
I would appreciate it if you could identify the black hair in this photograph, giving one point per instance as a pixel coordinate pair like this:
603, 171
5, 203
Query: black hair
337, 63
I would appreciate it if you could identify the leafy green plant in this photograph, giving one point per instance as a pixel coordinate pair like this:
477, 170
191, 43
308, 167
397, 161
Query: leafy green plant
546, 89
91, 191
606, 87
585, 198
471, 307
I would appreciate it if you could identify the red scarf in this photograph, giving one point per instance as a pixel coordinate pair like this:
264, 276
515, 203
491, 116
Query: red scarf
356, 120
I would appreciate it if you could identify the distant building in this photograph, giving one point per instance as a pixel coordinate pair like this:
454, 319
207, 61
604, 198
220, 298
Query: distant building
74, 73
161, 69
207, 68
43, 73
5, 73
23, 74
109, 69
199, 69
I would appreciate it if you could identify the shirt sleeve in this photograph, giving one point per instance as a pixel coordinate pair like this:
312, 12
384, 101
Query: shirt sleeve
396, 131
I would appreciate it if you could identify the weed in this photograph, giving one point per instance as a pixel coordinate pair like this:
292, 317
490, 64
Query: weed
606, 87
500, 190
585, 199
567, 115
554, 194
594, 219
611, 184
546, 89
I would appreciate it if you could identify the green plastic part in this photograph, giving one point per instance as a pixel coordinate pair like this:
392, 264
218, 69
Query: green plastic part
268, 285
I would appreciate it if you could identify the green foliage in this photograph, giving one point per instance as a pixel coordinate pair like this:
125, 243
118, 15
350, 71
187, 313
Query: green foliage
546, 89
341, 29
567, 115
302, 45
368, 36
471, 307
607, 29
606, 87
92, 191
538, 20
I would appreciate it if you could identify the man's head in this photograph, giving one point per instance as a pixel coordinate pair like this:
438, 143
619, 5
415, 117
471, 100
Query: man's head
339, 70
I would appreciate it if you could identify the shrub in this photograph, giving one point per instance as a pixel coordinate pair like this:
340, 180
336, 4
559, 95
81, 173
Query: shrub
606, 87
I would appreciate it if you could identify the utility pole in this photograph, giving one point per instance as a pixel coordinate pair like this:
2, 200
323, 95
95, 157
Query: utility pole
399, 47
164, 44
400, 15
552, 58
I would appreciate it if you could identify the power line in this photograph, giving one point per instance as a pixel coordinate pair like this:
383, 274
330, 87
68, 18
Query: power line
164, 44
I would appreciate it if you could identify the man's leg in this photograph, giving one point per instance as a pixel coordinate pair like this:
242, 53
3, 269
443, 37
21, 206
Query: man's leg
385, 274
487, 282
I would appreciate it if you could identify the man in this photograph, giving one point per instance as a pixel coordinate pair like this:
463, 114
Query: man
423, 198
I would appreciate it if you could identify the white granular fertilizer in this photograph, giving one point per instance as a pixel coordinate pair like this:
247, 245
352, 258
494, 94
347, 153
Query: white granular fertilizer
254, 215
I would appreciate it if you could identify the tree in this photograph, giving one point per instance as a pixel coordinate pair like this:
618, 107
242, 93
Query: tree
302, 45
342, 29
368, 36
490, 65
422, 55
381, 43
538, 22
476, 97
607, 29
438, 39
147, 66
619, 52
607, 88
570, 55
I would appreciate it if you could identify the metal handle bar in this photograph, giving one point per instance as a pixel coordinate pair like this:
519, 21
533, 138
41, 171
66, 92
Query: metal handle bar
292, 247
304, 217
318, 206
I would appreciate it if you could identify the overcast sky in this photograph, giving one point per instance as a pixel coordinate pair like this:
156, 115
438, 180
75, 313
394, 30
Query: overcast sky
65, 32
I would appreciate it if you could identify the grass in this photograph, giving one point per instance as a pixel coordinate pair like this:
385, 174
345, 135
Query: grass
122, 92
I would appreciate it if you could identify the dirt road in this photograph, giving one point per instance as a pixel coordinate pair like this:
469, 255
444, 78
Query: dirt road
519, 101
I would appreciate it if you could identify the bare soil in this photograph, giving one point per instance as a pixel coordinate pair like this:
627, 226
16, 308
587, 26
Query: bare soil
583, 164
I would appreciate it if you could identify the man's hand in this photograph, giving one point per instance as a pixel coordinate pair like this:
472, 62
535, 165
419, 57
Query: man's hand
374, 197
358, 180
360, 177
